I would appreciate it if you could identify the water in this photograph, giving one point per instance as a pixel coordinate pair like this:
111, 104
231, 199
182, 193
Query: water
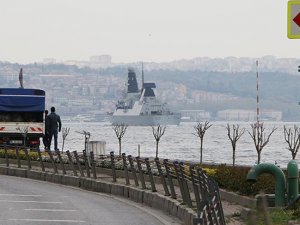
179, 142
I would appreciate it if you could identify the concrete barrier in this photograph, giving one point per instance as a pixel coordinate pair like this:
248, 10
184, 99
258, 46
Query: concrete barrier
36, 175
241, 200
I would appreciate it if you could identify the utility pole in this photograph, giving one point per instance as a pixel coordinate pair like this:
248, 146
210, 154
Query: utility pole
142, 76
257, 96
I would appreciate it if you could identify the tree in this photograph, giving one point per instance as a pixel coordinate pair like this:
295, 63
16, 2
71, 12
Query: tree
24, 131
234, 137
158, 133
259, 138
292, 138
65, 132
200, 132
120, 130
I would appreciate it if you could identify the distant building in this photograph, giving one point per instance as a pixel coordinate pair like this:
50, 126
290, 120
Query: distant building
49, 61
248, 115
194, 115
100, 61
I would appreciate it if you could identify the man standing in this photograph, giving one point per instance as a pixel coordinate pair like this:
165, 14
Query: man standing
54, 127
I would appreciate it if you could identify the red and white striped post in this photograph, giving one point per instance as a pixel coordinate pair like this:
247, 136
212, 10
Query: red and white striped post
257, 96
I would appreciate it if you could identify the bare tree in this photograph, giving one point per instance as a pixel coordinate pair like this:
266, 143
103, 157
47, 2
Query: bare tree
292, 138
24, 131
200, 129
65, 132
120, 130
259, 138
234, 137
158, 132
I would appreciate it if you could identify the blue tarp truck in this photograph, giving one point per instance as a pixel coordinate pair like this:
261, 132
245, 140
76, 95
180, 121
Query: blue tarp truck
21, 116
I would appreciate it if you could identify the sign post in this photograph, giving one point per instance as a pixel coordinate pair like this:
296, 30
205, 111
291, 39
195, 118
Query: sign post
293, 19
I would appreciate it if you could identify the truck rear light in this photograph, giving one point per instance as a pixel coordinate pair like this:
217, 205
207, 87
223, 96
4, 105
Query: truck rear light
34, 142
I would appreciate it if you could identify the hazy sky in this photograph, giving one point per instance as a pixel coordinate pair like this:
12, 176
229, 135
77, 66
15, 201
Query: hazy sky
140, 30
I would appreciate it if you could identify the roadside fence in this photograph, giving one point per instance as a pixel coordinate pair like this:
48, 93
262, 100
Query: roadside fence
186, 183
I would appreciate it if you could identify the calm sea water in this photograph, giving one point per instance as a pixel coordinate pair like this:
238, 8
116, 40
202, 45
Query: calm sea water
179, 142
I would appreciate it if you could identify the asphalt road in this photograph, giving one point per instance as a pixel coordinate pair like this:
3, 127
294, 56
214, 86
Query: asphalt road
30, 202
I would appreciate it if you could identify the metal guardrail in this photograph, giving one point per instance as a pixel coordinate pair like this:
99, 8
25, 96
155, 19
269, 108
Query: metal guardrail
186, 183
208, 201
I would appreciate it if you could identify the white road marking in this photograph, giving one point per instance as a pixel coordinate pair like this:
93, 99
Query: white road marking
17, 195
41, 220
44, 202
52, 210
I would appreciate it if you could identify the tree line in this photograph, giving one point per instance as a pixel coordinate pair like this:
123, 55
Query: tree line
257, 133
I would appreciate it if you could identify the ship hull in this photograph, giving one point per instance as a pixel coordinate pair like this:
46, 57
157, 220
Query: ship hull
146, 120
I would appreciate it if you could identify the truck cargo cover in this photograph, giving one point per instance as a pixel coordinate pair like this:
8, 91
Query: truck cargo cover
22, 100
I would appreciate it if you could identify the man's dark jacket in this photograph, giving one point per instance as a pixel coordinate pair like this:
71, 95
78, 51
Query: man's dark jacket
54, 122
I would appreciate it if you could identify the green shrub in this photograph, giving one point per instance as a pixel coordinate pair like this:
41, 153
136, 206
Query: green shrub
12, 154
234, 179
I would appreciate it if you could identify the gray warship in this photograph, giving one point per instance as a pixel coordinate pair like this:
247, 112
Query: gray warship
140, 107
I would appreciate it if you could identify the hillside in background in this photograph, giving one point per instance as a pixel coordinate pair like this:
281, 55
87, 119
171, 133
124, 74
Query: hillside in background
182, 89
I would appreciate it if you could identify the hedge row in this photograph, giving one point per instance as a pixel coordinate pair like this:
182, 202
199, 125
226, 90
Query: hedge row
12, 155
234, 179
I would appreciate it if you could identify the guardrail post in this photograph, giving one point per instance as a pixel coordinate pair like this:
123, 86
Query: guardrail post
93, 164
203, 218
61, 162
113, 168
203, 184
217, 203
6, 156
150, 175
180, 183
125, 168
27, 158
139, 165
185, 185
162, 178
133, 171
206, 194
78, 163
195, 183
86, 163
18, 157
170, 179
71, 162
40, 159
52, 160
